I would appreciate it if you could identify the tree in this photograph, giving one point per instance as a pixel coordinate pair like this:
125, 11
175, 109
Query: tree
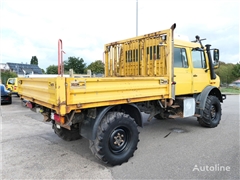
96, 67
34, 60
225, 72
7, 74
76, 64
236, 71
43, 71
52, 69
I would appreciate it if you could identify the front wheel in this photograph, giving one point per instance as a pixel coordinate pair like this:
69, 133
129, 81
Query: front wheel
212, 113
117, 138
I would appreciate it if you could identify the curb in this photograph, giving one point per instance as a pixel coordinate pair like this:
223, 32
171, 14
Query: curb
230, 93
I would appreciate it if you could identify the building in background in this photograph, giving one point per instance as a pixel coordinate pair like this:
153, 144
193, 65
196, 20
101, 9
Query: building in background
20, 68
4, 67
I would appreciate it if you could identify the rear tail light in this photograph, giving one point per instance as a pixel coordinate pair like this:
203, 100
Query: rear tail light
15, 87
29, 105
58, 118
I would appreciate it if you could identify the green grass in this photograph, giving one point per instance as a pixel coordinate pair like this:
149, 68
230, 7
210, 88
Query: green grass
233, 90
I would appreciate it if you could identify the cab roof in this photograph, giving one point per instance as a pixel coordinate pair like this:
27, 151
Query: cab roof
186, 43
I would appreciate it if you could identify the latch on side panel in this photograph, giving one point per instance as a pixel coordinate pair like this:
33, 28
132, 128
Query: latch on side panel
52, 84
163, 81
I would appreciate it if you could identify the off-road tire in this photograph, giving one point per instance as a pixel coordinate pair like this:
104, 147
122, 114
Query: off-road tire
212, 113
116, 140
67, 135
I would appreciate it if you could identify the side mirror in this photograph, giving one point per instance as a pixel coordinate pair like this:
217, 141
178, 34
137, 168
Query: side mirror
216, 55
216, 58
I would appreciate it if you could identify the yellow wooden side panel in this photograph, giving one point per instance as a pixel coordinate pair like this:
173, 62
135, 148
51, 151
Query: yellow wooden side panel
105, 91
49, 92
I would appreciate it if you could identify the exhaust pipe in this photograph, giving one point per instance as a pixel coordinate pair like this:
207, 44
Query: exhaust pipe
212, 73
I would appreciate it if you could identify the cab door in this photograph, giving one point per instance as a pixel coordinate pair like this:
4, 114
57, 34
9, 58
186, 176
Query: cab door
200, 73
182, 71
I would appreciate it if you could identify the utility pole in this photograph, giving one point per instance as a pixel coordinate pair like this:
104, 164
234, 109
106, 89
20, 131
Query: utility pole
136, 17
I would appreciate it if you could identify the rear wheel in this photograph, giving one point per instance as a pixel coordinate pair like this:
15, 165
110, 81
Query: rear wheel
212, 113
67, 135
117, 139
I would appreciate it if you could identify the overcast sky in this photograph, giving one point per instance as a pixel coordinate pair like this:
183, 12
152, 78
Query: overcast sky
33, 27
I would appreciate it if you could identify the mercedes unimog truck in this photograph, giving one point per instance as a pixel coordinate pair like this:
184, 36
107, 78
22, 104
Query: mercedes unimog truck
153, 74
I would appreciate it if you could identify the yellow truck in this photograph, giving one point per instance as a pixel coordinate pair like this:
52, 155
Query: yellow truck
12, 85
153, 74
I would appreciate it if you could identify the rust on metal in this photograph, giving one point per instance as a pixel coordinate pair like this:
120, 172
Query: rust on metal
79, 105
114, 43
68, 109
46, 117
63, 103
60, 102
63, 125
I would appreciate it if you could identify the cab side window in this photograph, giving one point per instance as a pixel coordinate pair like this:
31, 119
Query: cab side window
198, 59
180, 58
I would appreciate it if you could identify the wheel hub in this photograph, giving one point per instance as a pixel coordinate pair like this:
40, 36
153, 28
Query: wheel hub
118, 140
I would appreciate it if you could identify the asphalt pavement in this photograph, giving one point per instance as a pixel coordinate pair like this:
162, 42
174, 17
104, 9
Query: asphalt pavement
168, 149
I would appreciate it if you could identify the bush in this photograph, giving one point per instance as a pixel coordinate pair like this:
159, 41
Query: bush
7, 74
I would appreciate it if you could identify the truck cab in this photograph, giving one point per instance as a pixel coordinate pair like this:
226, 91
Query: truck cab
12, 85
192, 68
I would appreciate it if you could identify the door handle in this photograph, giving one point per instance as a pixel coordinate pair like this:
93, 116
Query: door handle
194, 75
